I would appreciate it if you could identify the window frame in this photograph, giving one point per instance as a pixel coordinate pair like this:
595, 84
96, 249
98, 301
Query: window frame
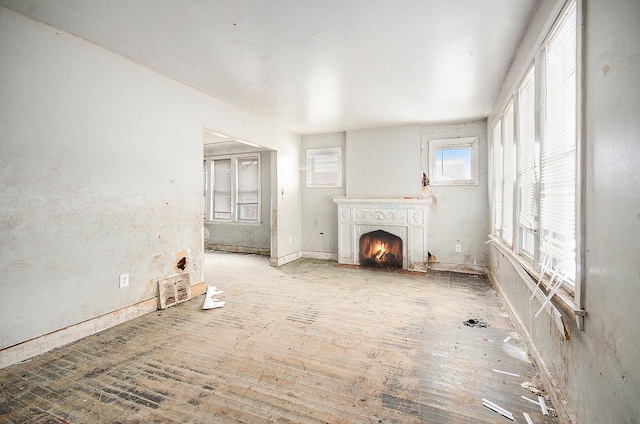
209, 186
311, 155
470, 143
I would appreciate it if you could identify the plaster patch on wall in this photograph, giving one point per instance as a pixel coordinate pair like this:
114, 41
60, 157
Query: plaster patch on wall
182, 260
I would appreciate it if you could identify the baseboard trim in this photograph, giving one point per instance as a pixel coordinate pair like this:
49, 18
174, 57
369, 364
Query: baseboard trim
546, 377
239, 249
461, 268
39, 345
285, 259
319, 255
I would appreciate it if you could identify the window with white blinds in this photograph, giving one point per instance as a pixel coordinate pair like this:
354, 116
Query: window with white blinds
534, 157
497, 178
232, 188
509, 165
527, 161
558, 155
324, 167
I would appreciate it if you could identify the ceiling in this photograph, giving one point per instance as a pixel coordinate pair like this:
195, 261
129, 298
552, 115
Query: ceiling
318, 66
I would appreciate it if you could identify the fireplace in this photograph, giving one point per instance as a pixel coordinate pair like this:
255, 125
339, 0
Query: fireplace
401, 222
379, 248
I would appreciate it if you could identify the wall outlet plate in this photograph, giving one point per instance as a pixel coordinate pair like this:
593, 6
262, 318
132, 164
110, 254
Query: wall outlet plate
458, 248
124, 280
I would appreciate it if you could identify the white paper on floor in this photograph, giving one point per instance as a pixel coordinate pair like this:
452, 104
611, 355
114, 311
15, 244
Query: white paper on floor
209, 301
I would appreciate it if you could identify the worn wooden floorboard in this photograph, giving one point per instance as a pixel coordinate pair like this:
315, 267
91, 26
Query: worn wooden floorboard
309, 342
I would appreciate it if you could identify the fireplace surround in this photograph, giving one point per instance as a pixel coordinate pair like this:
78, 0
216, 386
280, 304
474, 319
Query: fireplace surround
406, 218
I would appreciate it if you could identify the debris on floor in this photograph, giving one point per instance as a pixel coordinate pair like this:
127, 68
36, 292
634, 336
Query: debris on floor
209, 301
500, 410
507, 373
543, 405
474, 322
532, 388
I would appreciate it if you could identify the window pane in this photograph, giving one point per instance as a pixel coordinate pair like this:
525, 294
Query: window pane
248, 189
222, 189
558, 152
205, 189
509, 164
497, 178
453, 164
324, 167
527, 163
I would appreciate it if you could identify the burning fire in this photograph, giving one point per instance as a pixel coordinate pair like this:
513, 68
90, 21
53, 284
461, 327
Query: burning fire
380, 249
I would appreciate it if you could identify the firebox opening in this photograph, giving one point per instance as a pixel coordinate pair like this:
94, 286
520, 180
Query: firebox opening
379, 248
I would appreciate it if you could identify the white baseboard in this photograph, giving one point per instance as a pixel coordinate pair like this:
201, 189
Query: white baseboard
319, 255
25, 350
285, 259
462, 268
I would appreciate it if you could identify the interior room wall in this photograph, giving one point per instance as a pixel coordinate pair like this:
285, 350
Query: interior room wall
384, 162
319, 211
100, 166
597, 371
244, 237
459, 213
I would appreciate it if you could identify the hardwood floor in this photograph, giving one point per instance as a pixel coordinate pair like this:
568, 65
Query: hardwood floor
309, 342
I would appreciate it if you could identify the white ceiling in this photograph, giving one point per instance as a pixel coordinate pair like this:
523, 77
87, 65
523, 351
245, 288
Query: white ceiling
314, 66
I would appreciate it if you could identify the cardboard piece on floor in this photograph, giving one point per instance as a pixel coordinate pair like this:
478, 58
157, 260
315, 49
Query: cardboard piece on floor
209, 301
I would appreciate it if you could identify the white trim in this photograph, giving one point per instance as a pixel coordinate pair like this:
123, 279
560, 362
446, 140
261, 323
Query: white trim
14, 354
461, 268
285, 259
319, 255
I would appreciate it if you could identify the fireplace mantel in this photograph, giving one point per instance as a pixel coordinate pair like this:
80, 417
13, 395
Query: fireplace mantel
405, 217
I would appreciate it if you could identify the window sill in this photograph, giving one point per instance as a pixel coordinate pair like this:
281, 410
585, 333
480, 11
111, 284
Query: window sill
562, 300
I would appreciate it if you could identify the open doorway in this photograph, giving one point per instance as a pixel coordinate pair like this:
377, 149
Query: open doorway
237, 192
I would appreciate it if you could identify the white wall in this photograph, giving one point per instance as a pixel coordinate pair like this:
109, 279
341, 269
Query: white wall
384, 162
319, 211
597, 371
459, 213
100, 170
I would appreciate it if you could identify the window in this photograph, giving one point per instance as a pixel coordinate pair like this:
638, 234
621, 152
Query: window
497, 178
232, 189
558, 156
534, 158
528, 168
509, 165
453, 161
324, 167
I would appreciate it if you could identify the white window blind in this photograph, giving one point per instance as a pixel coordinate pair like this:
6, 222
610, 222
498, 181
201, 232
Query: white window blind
527, 166
324, 167
205, 189
558, 156
508, 177
497, 177
222, 189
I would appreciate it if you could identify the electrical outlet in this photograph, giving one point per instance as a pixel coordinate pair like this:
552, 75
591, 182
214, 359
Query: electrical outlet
124, 280
458, 247
290, 240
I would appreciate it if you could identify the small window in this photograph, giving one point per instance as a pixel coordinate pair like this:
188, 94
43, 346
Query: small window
453, 161
324, 167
